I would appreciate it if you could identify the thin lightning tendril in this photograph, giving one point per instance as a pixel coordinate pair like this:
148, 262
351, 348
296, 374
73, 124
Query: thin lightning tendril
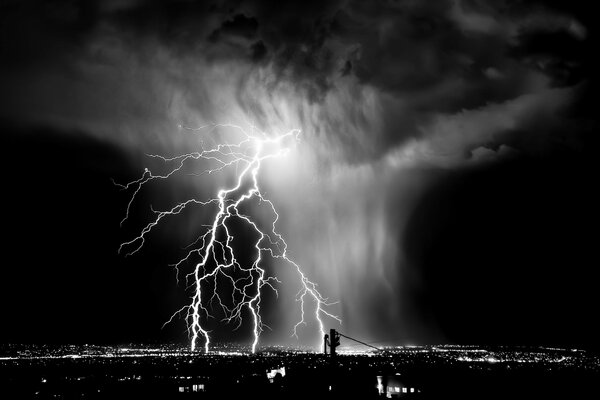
218, 262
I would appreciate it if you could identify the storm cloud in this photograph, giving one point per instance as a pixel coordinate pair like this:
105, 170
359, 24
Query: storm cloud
390, 96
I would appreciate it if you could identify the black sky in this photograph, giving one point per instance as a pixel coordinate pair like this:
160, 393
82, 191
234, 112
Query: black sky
498, 98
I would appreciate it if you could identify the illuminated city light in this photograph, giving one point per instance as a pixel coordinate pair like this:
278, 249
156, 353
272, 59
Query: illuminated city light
273, 373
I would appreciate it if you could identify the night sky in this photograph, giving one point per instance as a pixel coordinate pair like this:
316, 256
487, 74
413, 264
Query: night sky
444, 190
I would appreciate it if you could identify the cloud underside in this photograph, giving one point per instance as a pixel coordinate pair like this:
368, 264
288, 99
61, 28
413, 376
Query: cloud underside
394, 81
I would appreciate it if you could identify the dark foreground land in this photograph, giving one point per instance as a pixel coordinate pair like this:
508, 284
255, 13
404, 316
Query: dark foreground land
432, 372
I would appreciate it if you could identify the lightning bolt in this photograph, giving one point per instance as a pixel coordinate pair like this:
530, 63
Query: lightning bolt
219, 278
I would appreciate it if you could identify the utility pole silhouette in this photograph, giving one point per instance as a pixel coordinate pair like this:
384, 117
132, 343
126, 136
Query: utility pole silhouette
334, 341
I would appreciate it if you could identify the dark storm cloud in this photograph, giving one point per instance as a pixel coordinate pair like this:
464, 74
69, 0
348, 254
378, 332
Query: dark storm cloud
240, 25
423, 59
395, 95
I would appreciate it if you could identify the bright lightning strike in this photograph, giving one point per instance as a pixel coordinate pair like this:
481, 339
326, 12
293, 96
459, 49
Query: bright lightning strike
219, 278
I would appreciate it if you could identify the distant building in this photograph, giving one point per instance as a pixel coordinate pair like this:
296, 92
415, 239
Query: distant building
191, 388
271, 375
393, 386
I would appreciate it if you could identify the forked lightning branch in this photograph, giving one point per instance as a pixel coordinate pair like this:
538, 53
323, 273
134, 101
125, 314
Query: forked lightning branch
221, 278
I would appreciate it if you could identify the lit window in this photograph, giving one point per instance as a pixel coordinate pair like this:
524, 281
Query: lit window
181, 389
412, 390
404, 390
397, 389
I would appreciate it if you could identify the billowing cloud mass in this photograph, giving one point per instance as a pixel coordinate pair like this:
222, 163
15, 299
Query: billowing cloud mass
389, 97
